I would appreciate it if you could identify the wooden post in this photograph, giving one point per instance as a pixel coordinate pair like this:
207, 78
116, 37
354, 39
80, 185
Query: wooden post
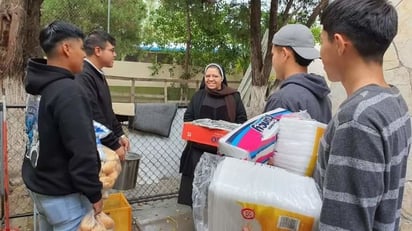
165, 90
132, 91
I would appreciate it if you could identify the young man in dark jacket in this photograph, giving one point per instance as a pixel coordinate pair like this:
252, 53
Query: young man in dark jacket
100, 51
292, 51
61, 164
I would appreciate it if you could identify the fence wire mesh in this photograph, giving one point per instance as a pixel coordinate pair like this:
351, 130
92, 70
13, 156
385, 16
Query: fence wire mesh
158, 175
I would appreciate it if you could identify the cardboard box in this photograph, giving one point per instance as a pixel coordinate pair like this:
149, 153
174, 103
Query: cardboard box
119, 209
201, 134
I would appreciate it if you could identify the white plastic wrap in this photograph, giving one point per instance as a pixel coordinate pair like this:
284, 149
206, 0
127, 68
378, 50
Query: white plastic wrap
202, 178
261, 197
297, 144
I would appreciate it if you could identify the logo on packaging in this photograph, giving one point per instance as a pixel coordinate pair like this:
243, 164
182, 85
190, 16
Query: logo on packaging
248, 213
266, 122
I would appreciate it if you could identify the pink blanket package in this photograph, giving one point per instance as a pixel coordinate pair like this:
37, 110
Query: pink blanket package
255, 139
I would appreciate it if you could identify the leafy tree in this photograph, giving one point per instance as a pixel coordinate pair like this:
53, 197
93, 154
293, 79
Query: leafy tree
211, 32
126, 17
281, 12
218, 32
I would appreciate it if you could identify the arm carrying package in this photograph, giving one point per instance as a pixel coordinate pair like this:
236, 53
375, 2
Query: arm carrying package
255, 139
261, 197
297, 145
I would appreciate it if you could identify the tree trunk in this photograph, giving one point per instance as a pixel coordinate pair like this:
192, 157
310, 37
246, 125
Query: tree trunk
186, 66
261, 62
19, 25
255, 33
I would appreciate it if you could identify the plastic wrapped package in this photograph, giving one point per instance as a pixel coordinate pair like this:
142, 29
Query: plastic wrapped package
99, 222
110, 162
297, 144
255, 139
202, 178
261, 197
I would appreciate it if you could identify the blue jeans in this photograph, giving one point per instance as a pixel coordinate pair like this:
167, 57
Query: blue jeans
60, 213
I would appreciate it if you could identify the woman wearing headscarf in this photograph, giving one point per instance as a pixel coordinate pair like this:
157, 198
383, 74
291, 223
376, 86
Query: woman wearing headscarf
214, 100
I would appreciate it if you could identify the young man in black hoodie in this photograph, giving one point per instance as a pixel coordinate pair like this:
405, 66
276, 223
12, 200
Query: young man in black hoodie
61, 164
100, 51
292, 51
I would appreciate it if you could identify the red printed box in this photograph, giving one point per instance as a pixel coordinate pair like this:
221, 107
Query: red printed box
201, 134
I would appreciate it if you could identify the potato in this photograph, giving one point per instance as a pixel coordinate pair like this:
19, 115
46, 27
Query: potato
108, 167
107, 181
87, 223
105, 220
110, 154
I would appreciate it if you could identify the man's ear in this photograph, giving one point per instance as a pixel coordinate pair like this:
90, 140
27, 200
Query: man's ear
97, 51
65, 49
341, 43
286, 52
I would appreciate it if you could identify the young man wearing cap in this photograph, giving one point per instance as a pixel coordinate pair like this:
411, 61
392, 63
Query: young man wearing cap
292, 51
363, 154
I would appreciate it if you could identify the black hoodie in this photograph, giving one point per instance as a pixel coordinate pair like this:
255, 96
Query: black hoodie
303, 92
68, 161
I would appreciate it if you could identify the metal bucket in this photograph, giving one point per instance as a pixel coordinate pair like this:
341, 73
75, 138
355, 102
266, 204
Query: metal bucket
128, 176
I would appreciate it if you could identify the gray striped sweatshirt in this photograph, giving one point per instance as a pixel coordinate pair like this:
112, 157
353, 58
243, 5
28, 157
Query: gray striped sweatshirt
362, 161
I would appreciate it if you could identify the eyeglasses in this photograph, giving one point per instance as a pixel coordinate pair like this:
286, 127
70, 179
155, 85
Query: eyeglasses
111, 50
104, 49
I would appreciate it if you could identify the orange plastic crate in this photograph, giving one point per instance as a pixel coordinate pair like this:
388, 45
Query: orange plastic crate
202, 135
119, 209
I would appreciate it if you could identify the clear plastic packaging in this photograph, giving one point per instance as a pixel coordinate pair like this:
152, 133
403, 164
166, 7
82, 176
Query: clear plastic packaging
261, 197
297, 144
202, 178
110, 162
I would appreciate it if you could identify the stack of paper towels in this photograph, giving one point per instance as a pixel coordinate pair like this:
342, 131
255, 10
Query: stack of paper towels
255, 139
297, 144
261, 197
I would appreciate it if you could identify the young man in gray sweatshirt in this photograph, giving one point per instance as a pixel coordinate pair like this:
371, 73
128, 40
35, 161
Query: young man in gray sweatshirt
292, 51
362, 159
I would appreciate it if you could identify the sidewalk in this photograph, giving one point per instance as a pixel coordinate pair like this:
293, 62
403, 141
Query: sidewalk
162, 215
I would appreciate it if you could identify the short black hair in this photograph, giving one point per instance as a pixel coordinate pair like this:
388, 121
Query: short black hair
300, 60
97, 38
371, 25
56, 32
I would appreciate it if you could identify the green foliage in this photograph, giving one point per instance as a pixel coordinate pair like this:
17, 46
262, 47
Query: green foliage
125, 18
316, 31
219, 32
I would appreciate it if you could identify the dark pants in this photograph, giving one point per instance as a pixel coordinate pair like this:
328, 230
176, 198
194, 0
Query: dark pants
185, 191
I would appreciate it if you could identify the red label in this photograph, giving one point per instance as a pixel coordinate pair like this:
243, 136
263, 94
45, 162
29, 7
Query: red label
248, 214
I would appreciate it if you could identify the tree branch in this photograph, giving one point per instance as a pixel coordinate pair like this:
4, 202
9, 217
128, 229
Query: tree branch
318, 9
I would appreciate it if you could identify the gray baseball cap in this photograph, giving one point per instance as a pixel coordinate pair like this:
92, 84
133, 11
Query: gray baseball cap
299, 38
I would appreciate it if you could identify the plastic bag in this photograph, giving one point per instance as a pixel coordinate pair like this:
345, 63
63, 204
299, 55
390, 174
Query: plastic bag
101, 132
107, 221
202, 177
90, 223
110, 170
298, 142
261, 197
110, 162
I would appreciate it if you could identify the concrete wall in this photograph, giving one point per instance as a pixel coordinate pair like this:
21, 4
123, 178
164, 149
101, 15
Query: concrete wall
143, 70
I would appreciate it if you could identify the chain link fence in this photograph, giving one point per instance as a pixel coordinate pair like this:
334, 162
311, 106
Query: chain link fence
158, 175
